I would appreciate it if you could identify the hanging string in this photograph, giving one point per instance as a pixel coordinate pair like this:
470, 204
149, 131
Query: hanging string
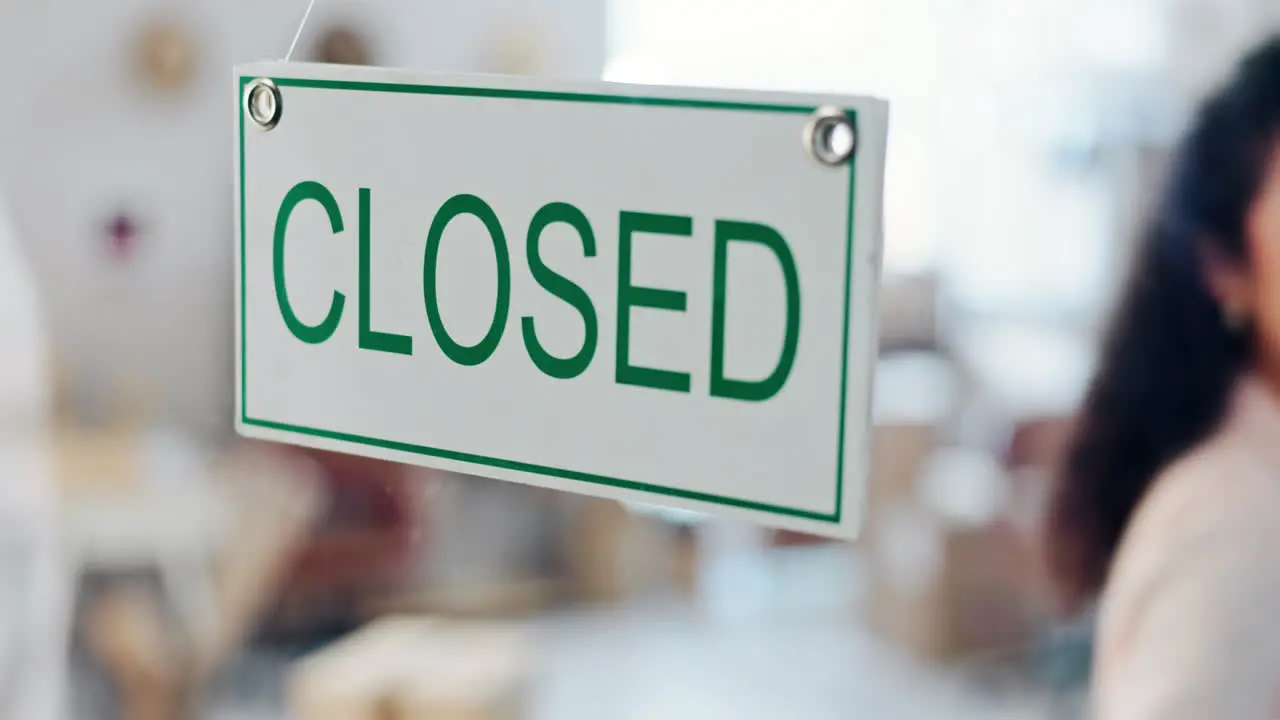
301, 26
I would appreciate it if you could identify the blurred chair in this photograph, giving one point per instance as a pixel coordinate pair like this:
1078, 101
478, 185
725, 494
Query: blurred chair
365, 546
218, 533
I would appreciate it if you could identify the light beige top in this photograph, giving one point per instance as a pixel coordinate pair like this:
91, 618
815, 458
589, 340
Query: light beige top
1190, 618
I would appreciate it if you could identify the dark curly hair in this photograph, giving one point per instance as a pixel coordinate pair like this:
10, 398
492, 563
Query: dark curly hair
1169, 361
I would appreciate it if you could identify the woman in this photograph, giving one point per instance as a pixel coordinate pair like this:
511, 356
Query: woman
1169, 502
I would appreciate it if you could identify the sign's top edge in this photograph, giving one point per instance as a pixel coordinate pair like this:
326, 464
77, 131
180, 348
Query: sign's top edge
412, 81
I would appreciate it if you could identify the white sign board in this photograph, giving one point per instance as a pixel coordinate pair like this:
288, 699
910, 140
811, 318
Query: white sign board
653, 294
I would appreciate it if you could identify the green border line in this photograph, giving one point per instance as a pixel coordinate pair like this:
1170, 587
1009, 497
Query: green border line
560, 473
544, 95
244, 361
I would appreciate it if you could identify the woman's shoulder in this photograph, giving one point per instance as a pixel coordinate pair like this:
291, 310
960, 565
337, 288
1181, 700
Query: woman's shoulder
1219, 484
1231, 477
1221, 489
1192, 587
1219, 502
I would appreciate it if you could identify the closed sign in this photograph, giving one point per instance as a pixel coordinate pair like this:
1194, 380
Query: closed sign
662, 295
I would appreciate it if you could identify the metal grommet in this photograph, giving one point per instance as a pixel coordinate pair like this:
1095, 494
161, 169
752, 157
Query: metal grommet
262, 103
830, 136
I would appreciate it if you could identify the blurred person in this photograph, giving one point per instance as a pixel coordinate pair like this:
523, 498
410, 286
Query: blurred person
1169, 500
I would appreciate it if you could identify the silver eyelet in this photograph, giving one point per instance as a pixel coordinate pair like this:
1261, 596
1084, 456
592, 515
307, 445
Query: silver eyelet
830, 136
262, 103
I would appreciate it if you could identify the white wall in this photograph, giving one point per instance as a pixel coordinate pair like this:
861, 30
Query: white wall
81, 139
25, 387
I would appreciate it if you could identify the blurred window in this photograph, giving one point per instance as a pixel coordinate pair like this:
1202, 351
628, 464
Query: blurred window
1002, 142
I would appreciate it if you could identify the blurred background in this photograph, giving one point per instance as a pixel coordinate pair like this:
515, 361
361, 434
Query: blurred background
157, 568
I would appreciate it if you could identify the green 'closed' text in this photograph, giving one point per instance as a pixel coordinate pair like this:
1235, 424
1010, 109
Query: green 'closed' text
634, 227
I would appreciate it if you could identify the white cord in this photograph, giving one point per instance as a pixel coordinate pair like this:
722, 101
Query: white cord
301, 26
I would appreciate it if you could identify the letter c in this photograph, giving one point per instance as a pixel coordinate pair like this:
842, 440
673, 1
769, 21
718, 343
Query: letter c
311, 334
